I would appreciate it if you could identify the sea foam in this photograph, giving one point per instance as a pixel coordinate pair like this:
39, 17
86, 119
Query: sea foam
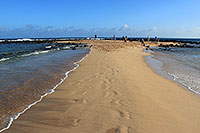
11, 119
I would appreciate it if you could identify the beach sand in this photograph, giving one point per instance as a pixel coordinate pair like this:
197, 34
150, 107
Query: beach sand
114, 91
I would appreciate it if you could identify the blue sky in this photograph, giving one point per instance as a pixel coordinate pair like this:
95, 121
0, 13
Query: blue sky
58, 18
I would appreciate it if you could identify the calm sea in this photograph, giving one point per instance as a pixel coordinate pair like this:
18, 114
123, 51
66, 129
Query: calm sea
28, 71
179, 64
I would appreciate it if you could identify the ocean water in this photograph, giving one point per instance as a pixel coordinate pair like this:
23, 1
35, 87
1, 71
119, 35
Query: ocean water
179, 64
28, 71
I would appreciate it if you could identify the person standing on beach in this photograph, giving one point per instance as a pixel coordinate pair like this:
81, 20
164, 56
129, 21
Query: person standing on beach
122, 37
95, 36
114, 37
156, 38
125, 39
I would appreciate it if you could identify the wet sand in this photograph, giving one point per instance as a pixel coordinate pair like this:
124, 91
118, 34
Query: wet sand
114, 91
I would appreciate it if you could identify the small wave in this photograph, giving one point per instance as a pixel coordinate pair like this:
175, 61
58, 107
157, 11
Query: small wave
67, 47
4, 59
36, 53
176, 78
48, 47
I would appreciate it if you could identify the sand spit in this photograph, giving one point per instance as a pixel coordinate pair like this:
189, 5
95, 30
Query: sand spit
114, 91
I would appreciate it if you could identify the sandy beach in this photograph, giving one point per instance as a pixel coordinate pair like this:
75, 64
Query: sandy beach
113, 91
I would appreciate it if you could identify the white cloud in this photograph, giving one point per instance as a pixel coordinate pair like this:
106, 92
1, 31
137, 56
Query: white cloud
155, 28
126, 26
50, 31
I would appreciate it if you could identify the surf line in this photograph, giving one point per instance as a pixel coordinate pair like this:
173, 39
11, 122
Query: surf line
11, 119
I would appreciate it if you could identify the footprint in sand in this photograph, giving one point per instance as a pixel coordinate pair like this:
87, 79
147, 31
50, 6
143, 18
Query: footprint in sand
109, 81
118, 102
75, 122
122, 129
85, 93
80, 101
114, 71
112, 80
113, 130
125, 114
63, 122
102, 73
115, 93
110, 93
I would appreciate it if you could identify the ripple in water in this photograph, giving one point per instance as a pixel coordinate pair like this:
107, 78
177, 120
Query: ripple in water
181, 65
24, 79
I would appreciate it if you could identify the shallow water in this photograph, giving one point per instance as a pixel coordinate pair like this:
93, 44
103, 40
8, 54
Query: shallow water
179, 64
23, 79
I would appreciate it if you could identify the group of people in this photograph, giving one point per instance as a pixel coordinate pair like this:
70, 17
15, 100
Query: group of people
125, 39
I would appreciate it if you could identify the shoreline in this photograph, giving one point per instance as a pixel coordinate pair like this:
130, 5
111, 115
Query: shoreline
166, 74
12, 119
114, 91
